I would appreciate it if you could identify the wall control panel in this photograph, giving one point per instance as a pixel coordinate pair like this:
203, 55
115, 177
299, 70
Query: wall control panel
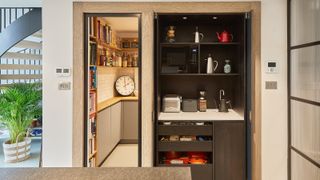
272, 67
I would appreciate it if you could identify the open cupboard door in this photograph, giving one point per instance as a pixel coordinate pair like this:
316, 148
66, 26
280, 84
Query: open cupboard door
248, 113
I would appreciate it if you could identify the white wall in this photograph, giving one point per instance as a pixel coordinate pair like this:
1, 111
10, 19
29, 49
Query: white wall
57, 17
274, 102
57, 105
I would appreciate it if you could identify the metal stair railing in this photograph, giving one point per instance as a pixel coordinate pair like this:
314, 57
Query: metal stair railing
16, 24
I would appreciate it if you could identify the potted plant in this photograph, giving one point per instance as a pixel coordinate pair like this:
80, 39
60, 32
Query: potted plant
19, 104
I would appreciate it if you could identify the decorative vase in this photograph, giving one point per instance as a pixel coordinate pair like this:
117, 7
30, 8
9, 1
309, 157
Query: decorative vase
17, 152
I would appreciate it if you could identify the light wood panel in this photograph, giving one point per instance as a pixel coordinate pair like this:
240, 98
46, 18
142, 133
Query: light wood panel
147, 10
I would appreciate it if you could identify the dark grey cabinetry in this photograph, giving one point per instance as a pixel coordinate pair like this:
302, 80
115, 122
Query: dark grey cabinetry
229, 151
130, 121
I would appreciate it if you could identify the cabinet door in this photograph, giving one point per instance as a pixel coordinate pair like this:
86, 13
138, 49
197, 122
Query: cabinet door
103, 134
130, 120
229, 151
116, 123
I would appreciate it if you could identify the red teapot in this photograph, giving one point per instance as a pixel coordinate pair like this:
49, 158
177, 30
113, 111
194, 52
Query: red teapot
224, 37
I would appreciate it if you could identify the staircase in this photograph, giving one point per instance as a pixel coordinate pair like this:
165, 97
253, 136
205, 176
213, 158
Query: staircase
20, 45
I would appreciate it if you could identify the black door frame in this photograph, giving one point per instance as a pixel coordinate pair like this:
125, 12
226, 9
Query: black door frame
86, 34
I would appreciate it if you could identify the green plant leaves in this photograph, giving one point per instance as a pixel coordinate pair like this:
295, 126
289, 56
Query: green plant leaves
19, 105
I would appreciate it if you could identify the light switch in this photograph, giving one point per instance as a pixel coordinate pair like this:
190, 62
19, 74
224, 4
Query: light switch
64, 86
271, 85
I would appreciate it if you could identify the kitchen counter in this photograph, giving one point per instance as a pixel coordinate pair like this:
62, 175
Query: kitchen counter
179, 173
209, 115
114, 100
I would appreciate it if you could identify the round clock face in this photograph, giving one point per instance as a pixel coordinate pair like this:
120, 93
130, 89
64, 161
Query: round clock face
125, 85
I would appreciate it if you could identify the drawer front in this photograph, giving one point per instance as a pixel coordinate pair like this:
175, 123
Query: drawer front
203, 146
185, 130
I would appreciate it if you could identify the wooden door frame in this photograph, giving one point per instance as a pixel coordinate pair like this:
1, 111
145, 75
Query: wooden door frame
147, 9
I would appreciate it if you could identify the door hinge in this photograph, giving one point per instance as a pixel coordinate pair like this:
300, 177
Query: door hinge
155, 16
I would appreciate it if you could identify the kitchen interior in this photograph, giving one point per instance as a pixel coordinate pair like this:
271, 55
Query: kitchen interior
112, 44
201, 93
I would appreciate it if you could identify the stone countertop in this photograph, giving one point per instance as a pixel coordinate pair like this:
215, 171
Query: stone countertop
158, 173
209, 115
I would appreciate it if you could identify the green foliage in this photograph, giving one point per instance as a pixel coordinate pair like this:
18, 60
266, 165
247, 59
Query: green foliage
19, 105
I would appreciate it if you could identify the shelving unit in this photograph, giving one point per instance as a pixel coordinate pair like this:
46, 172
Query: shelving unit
105, 52
181, 69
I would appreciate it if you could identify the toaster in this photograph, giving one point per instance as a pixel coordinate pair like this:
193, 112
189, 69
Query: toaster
171, 103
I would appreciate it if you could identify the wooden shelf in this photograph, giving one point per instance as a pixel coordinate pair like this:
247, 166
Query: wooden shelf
129, 49
112, 67
115, 100
199, 74
108, 46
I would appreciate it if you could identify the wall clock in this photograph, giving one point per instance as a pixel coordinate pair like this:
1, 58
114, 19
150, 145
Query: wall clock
125, 85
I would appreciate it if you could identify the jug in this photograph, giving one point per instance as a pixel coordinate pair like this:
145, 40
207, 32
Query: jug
210, 67
198, 36
224, 37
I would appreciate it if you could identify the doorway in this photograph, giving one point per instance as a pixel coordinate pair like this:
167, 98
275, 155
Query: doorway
112, 63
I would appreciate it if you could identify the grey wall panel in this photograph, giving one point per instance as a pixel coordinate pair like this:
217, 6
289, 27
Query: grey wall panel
303, 169
305, 73
305, 125
305, 23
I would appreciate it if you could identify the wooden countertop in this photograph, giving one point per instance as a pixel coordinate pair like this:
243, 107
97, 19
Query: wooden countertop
171, 173
115, 100
209, 115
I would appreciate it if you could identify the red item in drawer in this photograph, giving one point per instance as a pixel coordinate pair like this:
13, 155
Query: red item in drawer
172, 155
201, 155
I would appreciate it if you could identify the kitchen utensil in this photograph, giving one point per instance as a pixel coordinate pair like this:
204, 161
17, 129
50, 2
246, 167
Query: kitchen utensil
198, 36
171, 103
224, 37
210, 67
189, 105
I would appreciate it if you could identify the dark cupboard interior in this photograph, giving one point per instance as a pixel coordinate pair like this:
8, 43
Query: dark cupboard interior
181, 68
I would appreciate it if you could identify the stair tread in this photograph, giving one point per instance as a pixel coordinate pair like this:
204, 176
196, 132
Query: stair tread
29, 44
13, 55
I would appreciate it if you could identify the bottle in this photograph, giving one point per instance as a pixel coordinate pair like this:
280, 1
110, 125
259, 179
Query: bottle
202, 102
124, 60
227, 66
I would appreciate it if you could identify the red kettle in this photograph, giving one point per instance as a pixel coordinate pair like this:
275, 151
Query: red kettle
224, 37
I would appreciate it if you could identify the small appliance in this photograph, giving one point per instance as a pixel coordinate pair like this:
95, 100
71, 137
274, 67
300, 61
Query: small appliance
171, 103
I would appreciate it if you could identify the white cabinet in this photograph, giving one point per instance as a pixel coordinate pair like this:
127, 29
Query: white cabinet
108, 130
116, 123
103, 134
130, 116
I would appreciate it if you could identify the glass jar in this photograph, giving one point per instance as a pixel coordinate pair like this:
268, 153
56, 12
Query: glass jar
202, 102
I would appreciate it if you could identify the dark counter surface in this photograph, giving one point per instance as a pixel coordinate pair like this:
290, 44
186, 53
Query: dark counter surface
172, 173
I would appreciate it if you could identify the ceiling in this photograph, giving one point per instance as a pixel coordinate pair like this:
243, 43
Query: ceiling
125, 24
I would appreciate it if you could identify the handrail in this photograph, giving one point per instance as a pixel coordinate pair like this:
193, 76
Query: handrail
9, 14
20, 29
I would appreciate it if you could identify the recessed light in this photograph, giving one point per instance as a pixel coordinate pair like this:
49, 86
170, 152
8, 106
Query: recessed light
215, 17
184, 17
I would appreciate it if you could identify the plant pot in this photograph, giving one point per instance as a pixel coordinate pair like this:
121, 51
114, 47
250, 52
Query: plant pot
17, 152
